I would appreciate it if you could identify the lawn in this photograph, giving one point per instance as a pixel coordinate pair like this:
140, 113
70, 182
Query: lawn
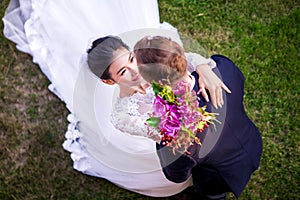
261, 37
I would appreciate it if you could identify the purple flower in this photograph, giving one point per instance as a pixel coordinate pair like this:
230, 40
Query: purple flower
170, 122
160, 106
170, 127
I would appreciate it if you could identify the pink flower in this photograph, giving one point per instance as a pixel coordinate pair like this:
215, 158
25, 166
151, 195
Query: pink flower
160, 106
170, 122
170, 127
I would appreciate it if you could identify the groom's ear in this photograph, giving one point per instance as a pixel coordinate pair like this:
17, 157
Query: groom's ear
108, 81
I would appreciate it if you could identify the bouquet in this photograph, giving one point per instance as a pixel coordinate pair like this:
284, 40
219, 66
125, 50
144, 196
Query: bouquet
177, 116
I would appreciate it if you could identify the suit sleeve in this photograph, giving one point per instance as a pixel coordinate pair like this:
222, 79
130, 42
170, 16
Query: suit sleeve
176, 167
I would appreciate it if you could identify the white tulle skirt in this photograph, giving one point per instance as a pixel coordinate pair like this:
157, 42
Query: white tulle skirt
57, 34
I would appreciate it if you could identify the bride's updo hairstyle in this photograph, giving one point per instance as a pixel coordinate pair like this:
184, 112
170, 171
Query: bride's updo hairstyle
160, 59
103, 52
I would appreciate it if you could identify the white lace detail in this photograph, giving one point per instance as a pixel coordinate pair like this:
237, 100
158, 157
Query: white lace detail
130, 113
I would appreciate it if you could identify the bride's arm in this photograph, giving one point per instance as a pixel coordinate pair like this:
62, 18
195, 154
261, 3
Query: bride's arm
129, 119
207, 78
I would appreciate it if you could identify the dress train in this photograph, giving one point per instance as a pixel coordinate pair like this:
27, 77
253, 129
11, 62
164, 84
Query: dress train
56, 34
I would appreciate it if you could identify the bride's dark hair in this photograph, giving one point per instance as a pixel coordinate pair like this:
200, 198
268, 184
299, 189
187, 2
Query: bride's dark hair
102, 54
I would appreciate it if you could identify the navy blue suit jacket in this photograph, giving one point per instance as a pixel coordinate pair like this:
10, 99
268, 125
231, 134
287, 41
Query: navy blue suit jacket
228, 165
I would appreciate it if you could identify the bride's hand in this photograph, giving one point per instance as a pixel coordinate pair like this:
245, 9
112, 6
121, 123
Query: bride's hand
210, 81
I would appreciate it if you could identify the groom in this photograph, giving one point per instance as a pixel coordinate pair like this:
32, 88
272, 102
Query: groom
227, 158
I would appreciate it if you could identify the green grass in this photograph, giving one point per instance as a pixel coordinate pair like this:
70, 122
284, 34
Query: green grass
261, 37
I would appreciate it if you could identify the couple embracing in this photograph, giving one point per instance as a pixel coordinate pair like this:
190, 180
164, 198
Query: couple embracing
229, 154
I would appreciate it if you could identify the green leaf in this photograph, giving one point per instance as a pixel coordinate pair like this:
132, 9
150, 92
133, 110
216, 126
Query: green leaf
153, 121
157, 88
167, 94
200, 125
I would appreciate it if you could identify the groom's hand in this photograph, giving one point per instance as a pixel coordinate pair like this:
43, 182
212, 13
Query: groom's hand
210, 81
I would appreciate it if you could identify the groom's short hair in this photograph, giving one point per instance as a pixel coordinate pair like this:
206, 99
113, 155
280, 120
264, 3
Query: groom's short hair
102, 54
160, 59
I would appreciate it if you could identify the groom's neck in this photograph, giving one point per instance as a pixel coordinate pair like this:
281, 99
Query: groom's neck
188, 79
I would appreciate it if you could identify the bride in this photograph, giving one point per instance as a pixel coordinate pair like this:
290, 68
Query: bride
57, 34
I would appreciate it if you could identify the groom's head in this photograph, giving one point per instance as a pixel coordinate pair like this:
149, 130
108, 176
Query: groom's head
160, 59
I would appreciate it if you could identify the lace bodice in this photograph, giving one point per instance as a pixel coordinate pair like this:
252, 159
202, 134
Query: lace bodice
130, 113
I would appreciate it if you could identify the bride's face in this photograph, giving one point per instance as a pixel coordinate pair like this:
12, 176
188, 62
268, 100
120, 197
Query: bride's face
124, 70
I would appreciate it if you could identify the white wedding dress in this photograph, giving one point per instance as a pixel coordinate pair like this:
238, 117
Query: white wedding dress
57, 33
